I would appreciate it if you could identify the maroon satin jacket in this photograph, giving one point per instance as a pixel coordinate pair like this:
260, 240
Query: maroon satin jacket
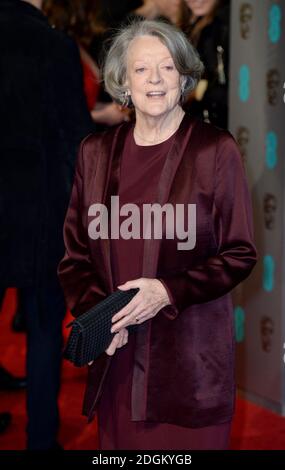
184, 357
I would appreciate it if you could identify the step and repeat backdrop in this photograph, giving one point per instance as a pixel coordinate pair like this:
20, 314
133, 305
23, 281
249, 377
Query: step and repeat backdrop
257, 120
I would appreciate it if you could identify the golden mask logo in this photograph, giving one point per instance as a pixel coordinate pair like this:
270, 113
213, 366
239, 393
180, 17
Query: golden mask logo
266, 333
243, 136
245, 18
269, 209
273, 84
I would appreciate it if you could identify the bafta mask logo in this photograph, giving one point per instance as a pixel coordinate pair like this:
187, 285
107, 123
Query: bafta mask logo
245, 18
266, 333
269, 210
243, 137
273, 84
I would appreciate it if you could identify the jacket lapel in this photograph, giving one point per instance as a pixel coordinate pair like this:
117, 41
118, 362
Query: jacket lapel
107, 185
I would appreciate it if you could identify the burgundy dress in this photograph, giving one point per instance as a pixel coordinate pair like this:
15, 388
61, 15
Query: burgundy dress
140, 171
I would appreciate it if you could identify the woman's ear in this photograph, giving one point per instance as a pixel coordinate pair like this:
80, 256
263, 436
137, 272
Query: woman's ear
126, 86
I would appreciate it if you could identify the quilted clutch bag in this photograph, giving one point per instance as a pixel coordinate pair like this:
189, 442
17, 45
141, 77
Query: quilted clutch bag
90, 335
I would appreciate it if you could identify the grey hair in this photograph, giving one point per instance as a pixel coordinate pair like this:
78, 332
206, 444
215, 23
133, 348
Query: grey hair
185, 57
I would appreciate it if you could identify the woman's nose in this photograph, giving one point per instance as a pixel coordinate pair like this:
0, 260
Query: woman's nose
154, 76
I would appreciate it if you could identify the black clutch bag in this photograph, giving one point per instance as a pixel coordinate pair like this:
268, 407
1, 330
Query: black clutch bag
91, 332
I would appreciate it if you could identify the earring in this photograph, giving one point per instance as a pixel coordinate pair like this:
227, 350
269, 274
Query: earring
126, 99
182, 90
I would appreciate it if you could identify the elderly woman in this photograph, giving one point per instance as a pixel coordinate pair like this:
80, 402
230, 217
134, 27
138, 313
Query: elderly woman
170, 385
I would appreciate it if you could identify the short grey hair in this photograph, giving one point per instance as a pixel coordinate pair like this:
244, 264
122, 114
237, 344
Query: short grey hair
185, 57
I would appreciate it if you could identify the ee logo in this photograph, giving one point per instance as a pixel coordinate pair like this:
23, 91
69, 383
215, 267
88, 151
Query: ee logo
244, 83
268, 273
239, 315
274, 30
271, 150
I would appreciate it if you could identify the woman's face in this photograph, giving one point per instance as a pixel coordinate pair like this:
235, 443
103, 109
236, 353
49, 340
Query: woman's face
152, 77
201, 7
168, 8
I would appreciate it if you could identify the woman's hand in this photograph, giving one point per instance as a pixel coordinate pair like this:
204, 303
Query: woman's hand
151, 298
110, 114
119, 340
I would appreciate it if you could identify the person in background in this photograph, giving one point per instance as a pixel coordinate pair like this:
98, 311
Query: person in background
170, 384
107, 16
43, 117
76, 18
206, 23
159, 9
85, 21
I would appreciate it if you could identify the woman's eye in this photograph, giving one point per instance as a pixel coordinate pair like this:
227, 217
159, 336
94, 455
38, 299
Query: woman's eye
169, 67
140, 70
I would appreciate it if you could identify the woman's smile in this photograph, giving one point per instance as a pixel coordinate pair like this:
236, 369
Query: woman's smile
155, 94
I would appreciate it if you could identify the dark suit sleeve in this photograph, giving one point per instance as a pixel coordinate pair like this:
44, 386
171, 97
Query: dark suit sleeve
75, 271
73, 116
236, 254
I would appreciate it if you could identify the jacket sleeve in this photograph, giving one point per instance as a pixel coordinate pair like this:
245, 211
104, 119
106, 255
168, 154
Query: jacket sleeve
236, 253
75, 271
73, 117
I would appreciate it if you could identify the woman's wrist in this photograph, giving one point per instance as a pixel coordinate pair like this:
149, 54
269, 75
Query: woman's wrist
166, 298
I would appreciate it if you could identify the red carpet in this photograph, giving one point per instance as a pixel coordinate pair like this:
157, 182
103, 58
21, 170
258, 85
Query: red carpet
254, 428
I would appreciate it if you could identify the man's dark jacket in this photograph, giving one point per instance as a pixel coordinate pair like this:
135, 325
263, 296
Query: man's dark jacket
43, 117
